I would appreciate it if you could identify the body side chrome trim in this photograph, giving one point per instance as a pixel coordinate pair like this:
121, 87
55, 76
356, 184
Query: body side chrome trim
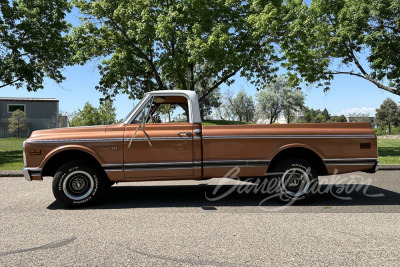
185, 165
106, 140
285, 136
158, 168
350, 161
161, 139
75, 140
235, 163
174, 163
152, 166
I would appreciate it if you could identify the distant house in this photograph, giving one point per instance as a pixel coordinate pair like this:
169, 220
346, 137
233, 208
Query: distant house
359, 119
39, 112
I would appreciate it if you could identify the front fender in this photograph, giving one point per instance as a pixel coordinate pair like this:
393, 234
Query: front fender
66, 148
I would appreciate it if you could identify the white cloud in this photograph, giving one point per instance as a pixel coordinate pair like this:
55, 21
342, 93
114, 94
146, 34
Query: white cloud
363, 110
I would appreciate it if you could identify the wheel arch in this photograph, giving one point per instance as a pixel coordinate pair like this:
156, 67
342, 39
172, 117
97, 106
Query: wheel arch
300, 151
60, 156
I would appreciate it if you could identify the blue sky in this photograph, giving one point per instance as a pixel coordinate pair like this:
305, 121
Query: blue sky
348, 94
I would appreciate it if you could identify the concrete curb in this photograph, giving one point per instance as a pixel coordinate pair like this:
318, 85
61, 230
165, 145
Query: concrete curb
11, 174
392, 167
388, 167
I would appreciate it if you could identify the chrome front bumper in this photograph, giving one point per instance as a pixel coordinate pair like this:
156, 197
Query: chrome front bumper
29, 172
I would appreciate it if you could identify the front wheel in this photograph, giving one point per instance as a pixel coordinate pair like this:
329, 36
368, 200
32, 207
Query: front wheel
297, 180
76, 184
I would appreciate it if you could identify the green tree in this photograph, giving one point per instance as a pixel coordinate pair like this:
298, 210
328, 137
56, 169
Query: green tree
89, 115
107, 114
33, 42
292, 101
167, 111
213, 100
388, 114
319, 119
157, 44
315, 116
310, 115
328, 38
242, 106
326, 114
17, 123
279, 97
340, 118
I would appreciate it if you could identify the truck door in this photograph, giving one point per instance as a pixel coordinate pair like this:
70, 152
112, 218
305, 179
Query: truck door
159, 141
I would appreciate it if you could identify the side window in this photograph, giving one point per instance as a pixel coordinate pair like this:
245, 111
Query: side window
168, 109
170, 113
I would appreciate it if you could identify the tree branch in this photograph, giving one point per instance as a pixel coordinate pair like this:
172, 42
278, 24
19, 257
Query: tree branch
191, 76
224, 79
10, 83
140, 52
180, 74
365, 75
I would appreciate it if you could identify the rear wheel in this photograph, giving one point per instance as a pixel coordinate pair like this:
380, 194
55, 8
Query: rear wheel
76, 184
297, 180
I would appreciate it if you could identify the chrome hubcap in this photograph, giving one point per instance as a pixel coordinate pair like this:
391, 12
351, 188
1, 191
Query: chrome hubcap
78, 185
295, 182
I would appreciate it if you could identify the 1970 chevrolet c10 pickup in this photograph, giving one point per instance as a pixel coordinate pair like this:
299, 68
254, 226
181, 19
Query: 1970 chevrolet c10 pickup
150, 146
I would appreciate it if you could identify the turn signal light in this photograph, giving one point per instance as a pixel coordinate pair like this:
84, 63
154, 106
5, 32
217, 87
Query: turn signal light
36, 152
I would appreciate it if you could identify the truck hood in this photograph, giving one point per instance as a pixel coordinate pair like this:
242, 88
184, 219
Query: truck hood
84, 132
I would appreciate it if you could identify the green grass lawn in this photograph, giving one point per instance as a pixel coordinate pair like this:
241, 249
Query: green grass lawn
389, 151
11, 150
11, 153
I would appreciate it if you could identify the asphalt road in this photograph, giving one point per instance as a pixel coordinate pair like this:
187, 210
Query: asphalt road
354, 222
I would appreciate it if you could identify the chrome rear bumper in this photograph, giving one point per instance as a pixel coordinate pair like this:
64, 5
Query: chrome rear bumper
29, 172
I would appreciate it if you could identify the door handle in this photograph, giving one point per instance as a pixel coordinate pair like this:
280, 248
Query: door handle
184, 133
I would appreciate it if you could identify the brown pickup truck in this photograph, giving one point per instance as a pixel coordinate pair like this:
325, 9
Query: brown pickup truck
163, 139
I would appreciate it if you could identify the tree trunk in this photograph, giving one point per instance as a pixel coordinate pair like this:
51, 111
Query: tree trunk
18, 128
201, 114
390, 130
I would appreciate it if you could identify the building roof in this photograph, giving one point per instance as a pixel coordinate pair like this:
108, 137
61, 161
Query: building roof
28, 99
